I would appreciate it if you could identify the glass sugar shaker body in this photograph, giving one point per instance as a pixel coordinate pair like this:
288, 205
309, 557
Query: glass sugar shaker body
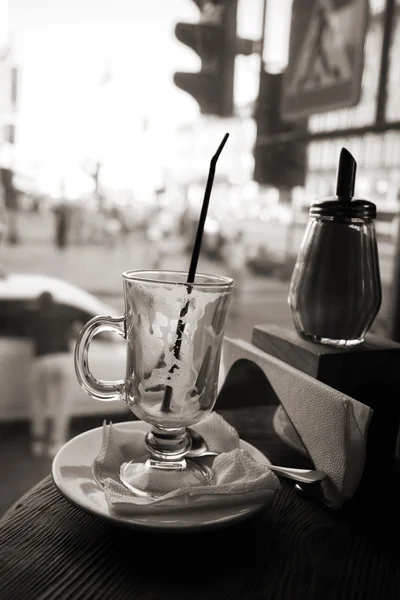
335, 290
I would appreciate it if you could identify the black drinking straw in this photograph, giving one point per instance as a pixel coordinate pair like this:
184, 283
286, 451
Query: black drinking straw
165, 407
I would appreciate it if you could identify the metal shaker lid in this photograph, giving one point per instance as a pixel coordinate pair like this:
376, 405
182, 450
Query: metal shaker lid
333, 207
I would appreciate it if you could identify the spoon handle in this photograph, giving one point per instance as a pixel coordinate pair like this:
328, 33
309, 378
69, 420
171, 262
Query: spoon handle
302, 475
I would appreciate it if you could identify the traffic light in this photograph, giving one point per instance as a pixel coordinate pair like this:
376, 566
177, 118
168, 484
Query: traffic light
214, 40
281, 165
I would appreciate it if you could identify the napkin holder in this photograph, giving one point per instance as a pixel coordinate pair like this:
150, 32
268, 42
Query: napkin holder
334, 445
370, 373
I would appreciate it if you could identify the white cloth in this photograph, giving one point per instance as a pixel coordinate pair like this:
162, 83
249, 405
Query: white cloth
237, 476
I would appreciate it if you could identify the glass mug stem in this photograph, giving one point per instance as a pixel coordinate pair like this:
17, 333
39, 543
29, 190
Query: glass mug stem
168, 446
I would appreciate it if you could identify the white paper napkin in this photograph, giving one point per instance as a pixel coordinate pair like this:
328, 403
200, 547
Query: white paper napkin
237, 476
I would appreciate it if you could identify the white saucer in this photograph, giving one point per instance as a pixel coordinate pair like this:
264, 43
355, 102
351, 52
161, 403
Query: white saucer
73, 476
284, 428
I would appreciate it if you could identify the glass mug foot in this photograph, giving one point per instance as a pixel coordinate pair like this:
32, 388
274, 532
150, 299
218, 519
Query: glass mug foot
145, 478
165, 468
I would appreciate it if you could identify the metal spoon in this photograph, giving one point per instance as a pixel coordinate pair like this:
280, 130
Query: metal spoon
300, 475
199, 448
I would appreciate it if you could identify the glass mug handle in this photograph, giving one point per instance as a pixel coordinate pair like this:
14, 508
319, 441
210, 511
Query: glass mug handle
97, 388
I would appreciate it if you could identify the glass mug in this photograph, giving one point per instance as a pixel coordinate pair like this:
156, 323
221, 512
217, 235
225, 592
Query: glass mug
174, 332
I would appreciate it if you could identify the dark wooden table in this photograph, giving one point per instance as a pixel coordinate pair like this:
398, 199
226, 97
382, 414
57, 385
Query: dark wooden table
294, 549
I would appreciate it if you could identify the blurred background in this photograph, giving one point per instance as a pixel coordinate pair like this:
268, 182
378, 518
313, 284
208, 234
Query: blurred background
109, 115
